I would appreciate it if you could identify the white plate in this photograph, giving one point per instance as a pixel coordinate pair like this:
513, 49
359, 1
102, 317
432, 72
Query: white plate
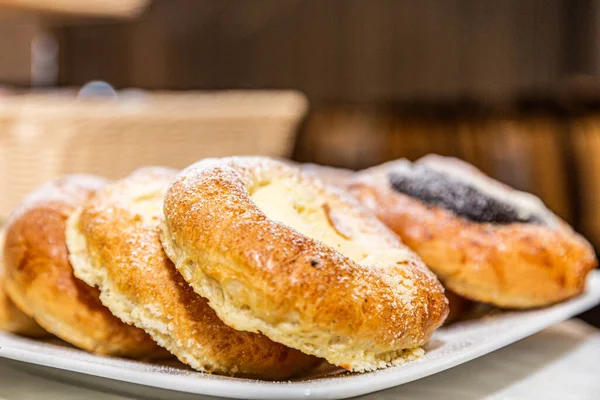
449, 347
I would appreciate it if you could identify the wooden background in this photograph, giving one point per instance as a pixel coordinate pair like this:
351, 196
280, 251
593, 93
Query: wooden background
512, 86
509, 85
351, 50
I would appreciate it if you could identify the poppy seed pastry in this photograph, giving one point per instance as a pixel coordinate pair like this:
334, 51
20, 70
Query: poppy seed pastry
484, 240
40, 280
277, 252
114, 243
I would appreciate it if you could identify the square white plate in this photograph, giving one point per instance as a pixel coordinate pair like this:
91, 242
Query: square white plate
451, 346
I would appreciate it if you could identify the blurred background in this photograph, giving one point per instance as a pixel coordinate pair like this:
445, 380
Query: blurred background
512, 86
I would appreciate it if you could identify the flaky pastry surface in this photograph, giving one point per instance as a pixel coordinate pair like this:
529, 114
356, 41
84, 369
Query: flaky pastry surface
275, 251
515, 265
40, 280
115, 246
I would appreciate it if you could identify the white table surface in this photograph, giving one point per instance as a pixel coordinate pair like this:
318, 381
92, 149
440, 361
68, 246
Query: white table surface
561, 362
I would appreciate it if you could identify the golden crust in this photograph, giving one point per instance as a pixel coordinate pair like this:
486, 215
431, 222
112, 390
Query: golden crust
114, 245
512, 265
39, 278
11, 318
264, 276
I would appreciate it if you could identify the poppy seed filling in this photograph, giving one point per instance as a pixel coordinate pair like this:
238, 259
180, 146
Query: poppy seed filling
435, 188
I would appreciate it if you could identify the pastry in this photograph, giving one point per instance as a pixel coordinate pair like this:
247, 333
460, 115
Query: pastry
276, 252
11, 318
39, 278
484, 240
114, 245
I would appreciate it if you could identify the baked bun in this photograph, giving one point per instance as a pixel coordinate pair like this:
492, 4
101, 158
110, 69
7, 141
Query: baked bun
11, 318
115, 246
276, 252
39, 278
484, 240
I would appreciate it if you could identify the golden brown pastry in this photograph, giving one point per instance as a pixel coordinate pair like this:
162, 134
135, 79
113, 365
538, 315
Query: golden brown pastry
115, 246
484, 240
276, 252
39, 278
11, 318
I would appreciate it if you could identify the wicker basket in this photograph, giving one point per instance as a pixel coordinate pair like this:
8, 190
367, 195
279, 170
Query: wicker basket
100, 8
46, 135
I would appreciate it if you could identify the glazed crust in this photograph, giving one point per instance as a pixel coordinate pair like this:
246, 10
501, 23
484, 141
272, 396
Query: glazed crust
513, 265
40, 280
11, 318
115, 246
264, 276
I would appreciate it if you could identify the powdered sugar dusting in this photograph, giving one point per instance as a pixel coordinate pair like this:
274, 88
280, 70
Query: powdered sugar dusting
384, 286
141, 286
